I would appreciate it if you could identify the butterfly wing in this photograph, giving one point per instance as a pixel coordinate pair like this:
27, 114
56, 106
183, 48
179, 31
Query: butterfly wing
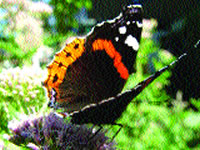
96, 67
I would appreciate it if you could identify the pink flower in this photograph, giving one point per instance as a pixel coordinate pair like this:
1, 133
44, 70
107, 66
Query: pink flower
146, 35
27, 99
149, 24
30, 87
5, 136
14, 92
18, 87
37, 91
33, 96
31, 31
11, 1
1, 145
10, 83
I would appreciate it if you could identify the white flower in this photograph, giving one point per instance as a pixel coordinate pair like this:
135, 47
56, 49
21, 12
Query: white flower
30, 30
14, 92
21, 93
18, 87
1, 145
40, 7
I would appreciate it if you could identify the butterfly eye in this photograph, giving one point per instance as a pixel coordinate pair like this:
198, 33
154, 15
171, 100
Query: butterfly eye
53, 92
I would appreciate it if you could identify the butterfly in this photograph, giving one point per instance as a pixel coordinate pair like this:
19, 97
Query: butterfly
87, 75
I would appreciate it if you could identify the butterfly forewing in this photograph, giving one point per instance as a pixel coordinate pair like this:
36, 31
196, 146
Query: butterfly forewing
96, 67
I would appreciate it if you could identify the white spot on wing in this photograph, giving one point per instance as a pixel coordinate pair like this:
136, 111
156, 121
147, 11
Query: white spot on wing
128, 22
116, 39
132, 42
135, 6
139, 24
122, 30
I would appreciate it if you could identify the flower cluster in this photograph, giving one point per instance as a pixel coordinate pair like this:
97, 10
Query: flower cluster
52, 132
29, 31
21, 88
148, 26
40, 7
1, 145
25, 21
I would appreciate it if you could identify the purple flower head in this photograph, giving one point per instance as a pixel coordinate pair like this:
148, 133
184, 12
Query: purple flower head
53, 132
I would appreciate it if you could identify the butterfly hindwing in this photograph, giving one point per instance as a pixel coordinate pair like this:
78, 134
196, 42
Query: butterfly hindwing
109, 110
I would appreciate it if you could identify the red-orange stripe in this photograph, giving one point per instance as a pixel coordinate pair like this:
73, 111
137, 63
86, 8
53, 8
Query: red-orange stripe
106, 45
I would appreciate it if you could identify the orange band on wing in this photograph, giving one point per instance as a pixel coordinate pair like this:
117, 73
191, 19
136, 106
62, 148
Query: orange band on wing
106, 45
57, 69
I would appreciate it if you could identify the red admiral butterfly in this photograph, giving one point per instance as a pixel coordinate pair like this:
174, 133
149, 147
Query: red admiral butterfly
87, 75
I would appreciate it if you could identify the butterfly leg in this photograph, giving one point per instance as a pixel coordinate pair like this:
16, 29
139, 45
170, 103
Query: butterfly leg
117, 130
100, 127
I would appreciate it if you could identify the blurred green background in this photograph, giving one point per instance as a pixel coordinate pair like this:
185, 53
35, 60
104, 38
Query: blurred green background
31, 32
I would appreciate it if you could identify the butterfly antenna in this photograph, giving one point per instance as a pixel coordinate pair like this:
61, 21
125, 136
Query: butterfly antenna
120, 127
96, 132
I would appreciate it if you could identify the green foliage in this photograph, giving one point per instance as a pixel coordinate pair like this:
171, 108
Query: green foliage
10, 51
148, 122
64, 12
156, 127
4, 119
196, 103
21, 95
150, 59
56, 41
